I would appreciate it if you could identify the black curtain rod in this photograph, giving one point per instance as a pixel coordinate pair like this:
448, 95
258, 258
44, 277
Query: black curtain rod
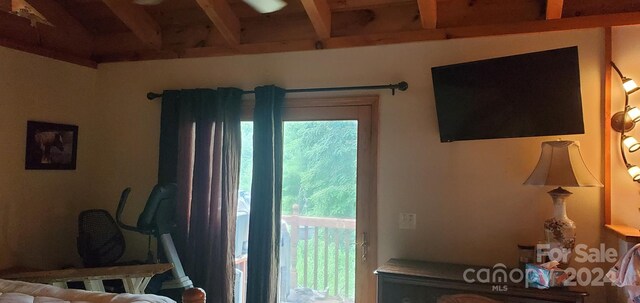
402, 86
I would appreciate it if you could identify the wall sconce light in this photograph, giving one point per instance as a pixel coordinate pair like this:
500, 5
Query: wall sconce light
631, 143
629, 85
634, 172
633, 113
624, 121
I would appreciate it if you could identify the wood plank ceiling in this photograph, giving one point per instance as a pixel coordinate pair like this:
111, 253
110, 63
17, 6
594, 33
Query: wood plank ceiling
88, 32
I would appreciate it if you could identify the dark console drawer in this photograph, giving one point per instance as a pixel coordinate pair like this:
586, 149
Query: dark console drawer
405, 281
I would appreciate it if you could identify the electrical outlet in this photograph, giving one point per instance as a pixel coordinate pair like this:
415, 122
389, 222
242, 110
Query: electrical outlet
407, 221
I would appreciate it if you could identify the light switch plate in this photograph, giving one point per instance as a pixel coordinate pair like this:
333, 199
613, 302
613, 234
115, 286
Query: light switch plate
407, 221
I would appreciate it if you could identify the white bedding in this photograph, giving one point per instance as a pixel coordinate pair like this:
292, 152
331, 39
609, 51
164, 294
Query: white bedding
23, 292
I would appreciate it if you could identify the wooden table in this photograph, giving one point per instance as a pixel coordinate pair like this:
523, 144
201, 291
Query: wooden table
134, 277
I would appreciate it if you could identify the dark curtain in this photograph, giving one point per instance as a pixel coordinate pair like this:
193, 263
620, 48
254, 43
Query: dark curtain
200, 150
266, 194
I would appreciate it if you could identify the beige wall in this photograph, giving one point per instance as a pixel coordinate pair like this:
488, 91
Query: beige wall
625, 194
625, 202
469, 199
38, 209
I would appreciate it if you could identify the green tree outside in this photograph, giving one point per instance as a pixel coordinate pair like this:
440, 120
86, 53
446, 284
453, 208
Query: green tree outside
319, 174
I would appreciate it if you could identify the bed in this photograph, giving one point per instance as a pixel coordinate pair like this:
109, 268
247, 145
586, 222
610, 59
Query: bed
134, 277
27, 292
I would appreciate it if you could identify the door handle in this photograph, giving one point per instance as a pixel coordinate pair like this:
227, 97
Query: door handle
364, 245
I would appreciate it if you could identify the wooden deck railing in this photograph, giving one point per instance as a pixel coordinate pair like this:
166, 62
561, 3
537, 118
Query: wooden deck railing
340, 232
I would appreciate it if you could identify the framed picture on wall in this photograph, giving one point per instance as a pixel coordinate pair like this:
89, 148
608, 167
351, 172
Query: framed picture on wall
51, 146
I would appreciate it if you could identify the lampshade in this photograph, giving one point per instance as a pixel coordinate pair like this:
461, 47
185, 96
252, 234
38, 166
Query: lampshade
629, 85
266, 6
561, 164
633, 113
634, 171
631, 143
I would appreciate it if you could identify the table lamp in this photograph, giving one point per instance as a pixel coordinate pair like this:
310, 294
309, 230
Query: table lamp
561, 164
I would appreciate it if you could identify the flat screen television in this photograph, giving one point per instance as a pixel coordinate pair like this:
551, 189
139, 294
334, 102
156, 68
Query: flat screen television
534, 94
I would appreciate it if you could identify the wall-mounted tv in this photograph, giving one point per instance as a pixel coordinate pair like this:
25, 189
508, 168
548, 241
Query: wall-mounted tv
534, 94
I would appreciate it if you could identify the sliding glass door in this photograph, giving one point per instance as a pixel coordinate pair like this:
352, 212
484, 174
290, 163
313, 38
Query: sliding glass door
327, 250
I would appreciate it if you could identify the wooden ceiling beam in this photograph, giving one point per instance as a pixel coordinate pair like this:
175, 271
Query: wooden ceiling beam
59, 17
242, 10
583, 22
173, 38
44, 40
5, 5
138, 21
598, 7
225, 20
428, 13
46, 52
117, 42
320, 16
554, 9
457, 13
57, 39
278, 28
619, 19
378, 20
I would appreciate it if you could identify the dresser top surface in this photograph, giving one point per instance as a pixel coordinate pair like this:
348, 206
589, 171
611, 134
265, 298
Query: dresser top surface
449, 272
435, 270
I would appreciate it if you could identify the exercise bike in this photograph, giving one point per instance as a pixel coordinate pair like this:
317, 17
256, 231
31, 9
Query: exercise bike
157, 220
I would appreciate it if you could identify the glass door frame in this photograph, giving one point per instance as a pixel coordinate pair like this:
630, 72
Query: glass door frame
364, 109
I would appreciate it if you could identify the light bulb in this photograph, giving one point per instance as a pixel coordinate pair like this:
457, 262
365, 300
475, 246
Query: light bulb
634, 172
634, 114
266, 6
631, 143
629, 85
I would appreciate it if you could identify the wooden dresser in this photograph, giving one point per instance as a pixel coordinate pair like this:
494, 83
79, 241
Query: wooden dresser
405, 281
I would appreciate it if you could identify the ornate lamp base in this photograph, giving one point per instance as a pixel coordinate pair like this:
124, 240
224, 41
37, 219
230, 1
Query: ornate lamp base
560, 231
